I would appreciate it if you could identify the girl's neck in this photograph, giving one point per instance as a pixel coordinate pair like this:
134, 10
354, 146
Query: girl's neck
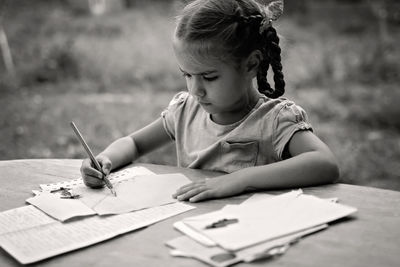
231, 117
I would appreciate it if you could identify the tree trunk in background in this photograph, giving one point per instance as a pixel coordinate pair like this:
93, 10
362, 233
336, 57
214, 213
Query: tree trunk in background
6, 53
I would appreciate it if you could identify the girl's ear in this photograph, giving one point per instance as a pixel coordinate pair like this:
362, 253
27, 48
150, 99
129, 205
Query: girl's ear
253, 62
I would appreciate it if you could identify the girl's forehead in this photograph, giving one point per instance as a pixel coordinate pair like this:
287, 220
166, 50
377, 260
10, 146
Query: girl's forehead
197, 56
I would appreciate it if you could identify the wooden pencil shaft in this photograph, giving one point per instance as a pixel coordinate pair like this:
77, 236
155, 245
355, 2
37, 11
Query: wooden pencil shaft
92, 158
86, 147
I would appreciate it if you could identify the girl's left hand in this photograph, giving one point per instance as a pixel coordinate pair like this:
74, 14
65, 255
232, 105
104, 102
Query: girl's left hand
218, 187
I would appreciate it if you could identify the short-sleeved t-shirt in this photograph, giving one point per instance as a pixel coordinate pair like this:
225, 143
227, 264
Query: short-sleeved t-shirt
258, 139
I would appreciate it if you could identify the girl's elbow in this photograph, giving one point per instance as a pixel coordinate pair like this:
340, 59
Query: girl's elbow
332, 171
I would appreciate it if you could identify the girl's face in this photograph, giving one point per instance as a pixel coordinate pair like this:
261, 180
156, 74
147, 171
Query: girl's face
223, 89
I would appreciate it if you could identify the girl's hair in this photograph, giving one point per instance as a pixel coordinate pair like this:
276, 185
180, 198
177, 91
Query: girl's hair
232, 27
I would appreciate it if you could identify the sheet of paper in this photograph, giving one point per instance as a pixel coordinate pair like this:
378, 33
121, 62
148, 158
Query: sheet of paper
113, 177
195, 235
202, 239
215, 256
256, 197
259, 251
137, 188
136, 193
199, 236
37, 243
25, 217
268, 219
218, 257
60, 208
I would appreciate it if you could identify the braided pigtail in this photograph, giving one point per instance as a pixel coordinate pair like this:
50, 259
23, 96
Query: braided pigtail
272, 57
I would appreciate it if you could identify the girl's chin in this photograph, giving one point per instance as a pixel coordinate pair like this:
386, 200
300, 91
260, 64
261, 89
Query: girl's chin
207, 107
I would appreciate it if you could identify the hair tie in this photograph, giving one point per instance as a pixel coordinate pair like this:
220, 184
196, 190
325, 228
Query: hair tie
271, 13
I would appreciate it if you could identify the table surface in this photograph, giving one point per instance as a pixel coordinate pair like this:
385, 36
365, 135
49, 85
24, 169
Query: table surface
369, 238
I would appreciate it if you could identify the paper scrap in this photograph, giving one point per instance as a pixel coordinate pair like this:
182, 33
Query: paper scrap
60, 208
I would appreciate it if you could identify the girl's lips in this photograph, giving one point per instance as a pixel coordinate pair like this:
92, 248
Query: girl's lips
203, 103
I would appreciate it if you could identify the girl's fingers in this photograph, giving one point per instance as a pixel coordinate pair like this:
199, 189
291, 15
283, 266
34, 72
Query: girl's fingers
106, 169
91, 177
94, 173
93, 182
181, 191
105, 164
191, 193
202, 196
88, 169
186, 188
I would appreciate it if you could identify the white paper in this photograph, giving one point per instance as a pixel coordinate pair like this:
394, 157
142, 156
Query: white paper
256, 197
113, 177
268, 219
36, 243
135, 193
262, 250
195, 235
134, 190
25, 217
60, 208
184, 246
218, 257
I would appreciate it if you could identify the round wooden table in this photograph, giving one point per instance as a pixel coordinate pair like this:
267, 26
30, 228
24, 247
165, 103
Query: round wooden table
370, 238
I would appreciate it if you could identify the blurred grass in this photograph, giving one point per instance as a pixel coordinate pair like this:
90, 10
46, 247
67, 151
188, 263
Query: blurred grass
115, 73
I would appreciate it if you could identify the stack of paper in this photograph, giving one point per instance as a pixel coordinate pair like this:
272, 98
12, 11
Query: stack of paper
137, 188
261, 227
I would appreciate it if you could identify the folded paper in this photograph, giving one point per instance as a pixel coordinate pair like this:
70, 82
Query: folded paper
137, 188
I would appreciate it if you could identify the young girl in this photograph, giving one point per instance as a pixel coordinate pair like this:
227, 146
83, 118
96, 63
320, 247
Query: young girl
225, 123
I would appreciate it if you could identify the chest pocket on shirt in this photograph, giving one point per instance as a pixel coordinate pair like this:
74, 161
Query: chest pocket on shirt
237, 155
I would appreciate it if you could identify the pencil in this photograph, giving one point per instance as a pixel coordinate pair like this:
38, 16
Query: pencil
92, 158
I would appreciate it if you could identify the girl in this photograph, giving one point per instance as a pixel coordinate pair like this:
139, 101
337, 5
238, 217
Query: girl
224, 123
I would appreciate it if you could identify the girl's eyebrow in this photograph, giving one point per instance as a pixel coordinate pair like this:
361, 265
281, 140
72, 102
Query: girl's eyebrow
200, 73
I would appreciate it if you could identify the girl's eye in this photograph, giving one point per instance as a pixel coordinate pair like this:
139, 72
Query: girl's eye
186, 75
210, 79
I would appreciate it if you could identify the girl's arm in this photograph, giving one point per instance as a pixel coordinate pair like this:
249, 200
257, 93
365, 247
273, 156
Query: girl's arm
129, 148
125, 150
311, 163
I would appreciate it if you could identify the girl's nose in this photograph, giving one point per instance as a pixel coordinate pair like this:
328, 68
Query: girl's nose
197, 88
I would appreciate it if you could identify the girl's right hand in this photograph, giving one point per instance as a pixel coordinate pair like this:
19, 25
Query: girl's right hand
91, 176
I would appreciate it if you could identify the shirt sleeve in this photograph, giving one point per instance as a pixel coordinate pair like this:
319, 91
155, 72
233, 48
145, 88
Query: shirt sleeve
173, 112
290, 118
